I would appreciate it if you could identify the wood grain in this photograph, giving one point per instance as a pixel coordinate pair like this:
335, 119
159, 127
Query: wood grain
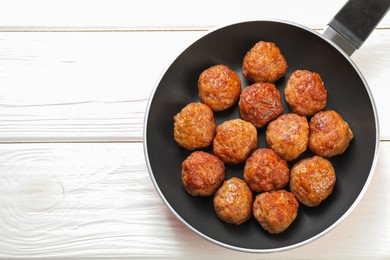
97, 200
158, 14
161, 15
94, 86
80, 86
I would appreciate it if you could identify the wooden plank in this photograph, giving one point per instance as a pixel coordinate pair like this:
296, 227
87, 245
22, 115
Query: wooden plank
97, 200
94, 86
141, 15
147, 14
81, 86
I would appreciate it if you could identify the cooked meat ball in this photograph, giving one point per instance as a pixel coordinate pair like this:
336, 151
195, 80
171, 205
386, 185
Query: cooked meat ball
264, 62
265, 170
233, 201
329, 135
312, 180
260, 103
288, 135
202, 173
275, 210
219, 87
194, 126
305, 92
234, 141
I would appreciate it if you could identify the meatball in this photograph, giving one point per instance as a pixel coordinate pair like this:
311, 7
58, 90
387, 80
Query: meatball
219, 87
312, 180
202, 173
234, 141
233, 201
265, 170
275, 210
260, 103
329, 134
194, 126
264, 62
305, 92
288, 135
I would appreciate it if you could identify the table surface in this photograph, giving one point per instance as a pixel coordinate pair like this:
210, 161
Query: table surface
75, 78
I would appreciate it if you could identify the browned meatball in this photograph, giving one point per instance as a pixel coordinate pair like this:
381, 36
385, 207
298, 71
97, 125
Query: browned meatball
233, 201
329, 135
234, 141
265, 170
275, 210
305, 92
260, 103
264, 62
194, 126
288, 135
202, 173
219, 87
312, 180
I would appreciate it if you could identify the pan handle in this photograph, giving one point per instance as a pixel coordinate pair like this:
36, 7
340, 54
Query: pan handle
352, 25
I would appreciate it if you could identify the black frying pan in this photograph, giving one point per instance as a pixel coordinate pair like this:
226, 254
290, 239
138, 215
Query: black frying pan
348, 93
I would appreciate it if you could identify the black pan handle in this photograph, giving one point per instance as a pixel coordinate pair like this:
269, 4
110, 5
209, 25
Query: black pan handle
354, 23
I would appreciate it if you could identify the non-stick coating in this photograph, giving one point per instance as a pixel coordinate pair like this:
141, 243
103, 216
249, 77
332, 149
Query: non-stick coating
303, 49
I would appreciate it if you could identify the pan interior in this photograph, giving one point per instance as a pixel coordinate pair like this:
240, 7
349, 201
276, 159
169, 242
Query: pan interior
303, 49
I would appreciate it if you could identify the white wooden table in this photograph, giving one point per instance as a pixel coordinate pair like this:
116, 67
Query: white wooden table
75, 77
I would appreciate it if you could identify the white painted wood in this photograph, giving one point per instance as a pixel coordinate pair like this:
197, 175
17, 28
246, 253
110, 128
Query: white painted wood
97, 200
168, 14
94, 86
81, 86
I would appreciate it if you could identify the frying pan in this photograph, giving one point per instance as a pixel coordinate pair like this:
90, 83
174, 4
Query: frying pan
348, 93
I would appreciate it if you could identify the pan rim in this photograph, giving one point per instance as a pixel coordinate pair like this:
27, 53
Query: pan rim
278, 249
